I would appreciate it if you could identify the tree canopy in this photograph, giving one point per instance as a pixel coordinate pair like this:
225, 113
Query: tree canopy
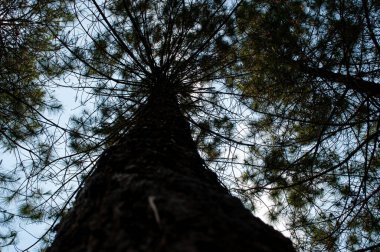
26, 45
26, 49
313, 76
282, 96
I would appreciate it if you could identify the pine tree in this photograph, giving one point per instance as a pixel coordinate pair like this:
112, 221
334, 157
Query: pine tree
151, 191
312, 74
151, 66
280, 98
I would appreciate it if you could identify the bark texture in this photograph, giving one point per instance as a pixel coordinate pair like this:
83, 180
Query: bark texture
152, 192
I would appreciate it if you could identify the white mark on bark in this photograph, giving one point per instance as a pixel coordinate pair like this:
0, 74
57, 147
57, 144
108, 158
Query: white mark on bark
154, 208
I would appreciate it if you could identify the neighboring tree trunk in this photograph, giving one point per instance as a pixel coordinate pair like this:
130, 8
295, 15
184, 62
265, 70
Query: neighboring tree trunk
152, 192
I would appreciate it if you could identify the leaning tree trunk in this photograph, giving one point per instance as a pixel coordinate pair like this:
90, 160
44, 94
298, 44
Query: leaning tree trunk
152, 192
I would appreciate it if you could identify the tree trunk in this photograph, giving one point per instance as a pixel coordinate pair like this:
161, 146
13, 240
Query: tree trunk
152, 192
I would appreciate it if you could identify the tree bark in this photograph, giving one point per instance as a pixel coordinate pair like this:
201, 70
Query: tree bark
152, 192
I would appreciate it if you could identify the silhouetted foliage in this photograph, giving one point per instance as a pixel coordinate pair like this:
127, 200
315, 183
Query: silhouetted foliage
27, 47
282, 98
313, 76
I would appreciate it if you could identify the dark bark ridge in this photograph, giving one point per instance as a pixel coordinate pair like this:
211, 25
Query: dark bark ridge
152, 192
